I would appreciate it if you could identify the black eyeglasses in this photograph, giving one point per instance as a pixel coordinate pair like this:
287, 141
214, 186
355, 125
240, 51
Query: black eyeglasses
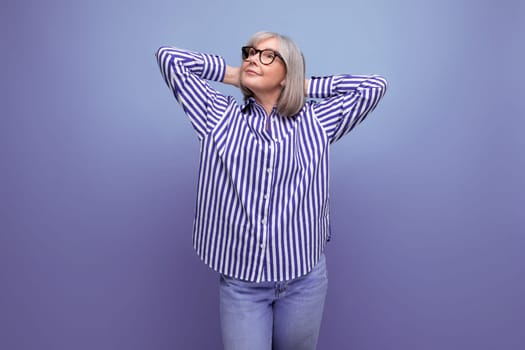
266, 56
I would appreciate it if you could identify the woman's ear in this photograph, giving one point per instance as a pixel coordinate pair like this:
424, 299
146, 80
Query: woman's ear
283, 83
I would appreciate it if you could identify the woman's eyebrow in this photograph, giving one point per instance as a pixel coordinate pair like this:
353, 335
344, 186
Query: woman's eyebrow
267, 48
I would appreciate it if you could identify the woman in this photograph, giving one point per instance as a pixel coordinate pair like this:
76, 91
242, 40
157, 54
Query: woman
262, 213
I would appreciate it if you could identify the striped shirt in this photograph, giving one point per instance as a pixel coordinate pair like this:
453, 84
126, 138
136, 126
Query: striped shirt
262, 208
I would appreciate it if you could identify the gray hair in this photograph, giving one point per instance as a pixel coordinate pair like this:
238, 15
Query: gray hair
292, 96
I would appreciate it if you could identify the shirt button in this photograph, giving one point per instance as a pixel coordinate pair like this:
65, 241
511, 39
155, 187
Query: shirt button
269, 170
261, 245
265, 197
263, 221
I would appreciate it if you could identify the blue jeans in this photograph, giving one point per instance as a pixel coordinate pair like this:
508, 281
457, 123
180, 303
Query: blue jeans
273, 315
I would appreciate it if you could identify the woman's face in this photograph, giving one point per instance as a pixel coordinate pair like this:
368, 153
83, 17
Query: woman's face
261, 78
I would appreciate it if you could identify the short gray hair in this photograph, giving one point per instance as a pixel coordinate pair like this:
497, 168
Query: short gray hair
292, 96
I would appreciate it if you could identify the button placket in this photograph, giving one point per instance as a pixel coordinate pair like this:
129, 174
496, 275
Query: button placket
266, 195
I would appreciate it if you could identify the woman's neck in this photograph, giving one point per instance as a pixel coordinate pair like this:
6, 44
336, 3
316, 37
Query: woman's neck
267, 101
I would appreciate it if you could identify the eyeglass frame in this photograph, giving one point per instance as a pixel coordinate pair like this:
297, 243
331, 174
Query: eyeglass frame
257, 51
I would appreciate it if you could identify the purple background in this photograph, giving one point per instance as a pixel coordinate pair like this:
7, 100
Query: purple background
99, 169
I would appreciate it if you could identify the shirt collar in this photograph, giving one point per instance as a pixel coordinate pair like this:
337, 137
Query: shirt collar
250, 102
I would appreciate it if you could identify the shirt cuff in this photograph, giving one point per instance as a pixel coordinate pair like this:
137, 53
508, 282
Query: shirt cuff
320, 87
213, 67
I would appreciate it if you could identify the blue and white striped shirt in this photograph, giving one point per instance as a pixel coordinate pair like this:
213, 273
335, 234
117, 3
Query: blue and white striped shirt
262, 210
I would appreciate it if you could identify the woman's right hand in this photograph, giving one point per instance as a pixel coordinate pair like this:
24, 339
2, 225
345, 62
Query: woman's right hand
232, 76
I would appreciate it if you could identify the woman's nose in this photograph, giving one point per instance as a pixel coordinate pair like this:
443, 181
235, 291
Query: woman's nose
252, 59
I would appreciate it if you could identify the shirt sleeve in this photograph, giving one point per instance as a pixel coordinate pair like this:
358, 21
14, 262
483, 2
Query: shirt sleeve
345, 102
186, 74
